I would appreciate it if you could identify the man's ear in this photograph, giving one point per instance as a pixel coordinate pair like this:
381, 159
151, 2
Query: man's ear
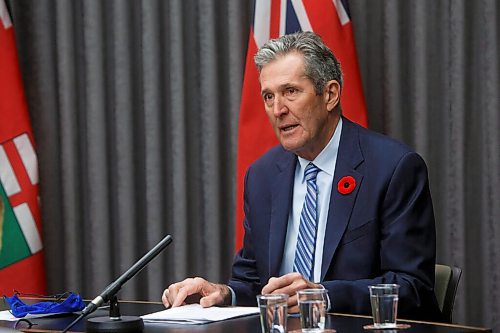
332, 94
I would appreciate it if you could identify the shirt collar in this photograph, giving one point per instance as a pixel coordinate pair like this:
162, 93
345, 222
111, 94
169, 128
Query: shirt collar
325, 160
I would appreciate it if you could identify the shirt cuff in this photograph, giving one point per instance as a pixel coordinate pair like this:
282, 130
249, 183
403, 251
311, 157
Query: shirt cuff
233, 296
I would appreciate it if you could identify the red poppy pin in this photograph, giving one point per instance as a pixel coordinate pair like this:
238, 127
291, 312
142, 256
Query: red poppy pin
346, 185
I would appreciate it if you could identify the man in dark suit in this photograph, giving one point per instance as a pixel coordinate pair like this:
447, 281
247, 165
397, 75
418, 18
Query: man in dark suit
334, 206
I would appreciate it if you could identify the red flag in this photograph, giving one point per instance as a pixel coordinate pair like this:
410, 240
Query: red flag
21, 255
329, 19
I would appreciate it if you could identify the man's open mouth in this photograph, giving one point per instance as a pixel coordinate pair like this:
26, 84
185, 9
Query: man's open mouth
288, 127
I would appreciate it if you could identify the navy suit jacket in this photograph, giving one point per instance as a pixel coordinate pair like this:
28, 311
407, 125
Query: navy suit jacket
382, 232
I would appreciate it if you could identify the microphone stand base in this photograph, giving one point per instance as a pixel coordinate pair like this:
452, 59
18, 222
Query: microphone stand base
125, 324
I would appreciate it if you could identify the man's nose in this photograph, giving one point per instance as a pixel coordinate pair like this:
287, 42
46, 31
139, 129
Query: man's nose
279, 107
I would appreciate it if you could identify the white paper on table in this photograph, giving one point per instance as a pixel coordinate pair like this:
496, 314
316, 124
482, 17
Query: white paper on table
8, 316
196, 314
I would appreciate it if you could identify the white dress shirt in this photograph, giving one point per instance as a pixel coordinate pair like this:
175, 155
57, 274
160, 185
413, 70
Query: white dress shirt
325, 161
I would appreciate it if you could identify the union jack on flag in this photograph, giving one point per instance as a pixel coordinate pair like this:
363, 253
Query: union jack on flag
273, 18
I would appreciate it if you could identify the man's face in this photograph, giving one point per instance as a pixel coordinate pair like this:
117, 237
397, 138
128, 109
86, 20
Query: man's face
303, 121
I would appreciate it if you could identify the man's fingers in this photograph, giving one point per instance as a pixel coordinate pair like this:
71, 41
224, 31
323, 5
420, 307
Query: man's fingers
212, 299
276, 283
190, 290
289, 284
215, 294
292, 301
286, 284
178, 292
164, 298
293, 309
172, 292
180, 297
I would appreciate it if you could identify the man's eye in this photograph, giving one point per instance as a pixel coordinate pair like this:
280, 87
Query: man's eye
291, 91
268, 98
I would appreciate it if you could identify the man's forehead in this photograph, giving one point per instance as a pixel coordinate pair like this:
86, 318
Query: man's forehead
286, 60
280, 83
282, 71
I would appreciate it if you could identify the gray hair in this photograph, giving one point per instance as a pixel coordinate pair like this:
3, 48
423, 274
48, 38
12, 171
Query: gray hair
321, 65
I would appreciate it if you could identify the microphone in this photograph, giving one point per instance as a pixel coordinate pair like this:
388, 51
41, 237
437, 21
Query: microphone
115, 286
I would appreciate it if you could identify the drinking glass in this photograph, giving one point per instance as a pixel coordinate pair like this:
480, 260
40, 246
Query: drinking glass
313, 305
384, 302
273, 312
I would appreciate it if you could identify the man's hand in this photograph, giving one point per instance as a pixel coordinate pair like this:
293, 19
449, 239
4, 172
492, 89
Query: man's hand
211, 293
289, 284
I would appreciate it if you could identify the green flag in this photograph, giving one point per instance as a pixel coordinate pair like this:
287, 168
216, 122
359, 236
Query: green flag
13, 245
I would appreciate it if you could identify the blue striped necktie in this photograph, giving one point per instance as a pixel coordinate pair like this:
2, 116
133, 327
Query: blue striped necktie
306, 241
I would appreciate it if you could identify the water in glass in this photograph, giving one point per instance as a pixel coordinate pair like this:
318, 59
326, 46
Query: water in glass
384, 310
312, 315
273, 318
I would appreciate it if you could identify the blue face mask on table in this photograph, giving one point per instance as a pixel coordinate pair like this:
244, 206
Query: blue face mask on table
67, 303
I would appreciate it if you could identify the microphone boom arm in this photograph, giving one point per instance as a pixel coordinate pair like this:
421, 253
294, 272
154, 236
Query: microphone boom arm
116, 285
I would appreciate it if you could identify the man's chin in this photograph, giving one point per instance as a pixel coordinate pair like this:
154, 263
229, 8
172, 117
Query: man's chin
290, 142
293, 148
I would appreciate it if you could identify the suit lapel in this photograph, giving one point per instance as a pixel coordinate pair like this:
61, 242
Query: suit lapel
341, 205
281, 200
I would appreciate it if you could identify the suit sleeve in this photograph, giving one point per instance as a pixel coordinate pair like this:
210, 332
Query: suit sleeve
407, 247
245, 280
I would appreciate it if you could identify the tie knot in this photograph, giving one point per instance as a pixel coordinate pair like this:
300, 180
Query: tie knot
311, 172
